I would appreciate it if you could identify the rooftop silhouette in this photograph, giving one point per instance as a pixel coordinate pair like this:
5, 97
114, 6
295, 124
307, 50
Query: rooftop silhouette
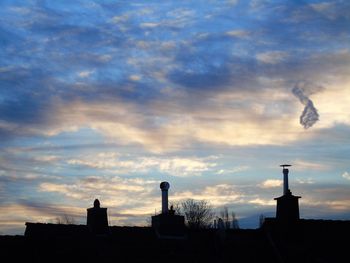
285, 238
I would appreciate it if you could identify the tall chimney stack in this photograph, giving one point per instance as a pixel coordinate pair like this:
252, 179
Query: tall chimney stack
168, 224
287, 205
285, 181
164, 186
285, 178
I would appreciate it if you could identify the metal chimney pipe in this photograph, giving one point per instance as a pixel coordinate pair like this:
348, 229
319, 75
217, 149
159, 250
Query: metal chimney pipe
285, 178
164, 186
285, 181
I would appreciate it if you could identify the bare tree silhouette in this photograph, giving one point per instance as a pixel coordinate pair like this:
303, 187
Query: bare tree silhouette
198, 213
65, 220
228, 221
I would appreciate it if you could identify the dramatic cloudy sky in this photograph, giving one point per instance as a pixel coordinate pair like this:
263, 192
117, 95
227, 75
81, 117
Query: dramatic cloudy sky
106, 99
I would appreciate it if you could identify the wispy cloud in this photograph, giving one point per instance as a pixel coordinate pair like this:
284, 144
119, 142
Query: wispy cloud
271, 183
305, 181
272, 57
233, 170
309, 166
176, 166
346, 175
238, 33
217, 195
262, 202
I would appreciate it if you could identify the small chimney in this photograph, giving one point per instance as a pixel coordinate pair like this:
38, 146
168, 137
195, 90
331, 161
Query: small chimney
285, 178
164, 186
97, 221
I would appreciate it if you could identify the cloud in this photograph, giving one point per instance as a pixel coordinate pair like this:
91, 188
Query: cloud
262, 202
135, 77
346, 175
271, 183
86, 73
149, 25
125, 123
237, 33
310, 115
237, 169
174, 64
326, 197
175, 166
331, 205
272, 57
305, 181
300, 165
217, 195
126, 198
109, 187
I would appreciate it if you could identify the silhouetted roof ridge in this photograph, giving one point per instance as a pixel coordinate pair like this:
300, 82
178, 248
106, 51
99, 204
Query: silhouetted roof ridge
325, 220
48, 223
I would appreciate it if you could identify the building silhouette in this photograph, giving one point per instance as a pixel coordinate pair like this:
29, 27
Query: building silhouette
287, 204
97, 221
284, 238
167, 224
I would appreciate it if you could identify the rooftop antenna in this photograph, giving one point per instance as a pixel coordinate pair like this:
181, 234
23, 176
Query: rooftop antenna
285, 178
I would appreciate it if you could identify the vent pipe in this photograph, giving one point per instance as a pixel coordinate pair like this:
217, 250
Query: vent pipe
164, 186
285, 178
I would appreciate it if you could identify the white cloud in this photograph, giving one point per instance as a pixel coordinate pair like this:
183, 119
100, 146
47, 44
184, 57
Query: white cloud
217, 195
98, 183
135, 77
86, 73
305, 181
176, 166
113, 191
233, 170
272, 57
301, 165
47, 158
238, 33
333, 103
185, 167
346, 175
271, 183
262, 202
149, 25
164, 128
121, 19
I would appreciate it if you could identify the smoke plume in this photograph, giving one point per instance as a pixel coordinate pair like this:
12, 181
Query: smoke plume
310, 115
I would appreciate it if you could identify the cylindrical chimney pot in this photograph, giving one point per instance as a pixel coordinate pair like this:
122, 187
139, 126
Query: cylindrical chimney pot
164, 186
285, 181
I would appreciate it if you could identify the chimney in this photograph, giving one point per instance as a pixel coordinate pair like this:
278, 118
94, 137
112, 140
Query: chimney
285, 178
285, 181
287, 204
164, 186
97, 221
168, 224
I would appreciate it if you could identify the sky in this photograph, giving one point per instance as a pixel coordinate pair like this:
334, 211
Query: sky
106, 99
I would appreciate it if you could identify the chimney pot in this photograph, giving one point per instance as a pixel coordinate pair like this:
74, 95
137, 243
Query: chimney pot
164, 186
